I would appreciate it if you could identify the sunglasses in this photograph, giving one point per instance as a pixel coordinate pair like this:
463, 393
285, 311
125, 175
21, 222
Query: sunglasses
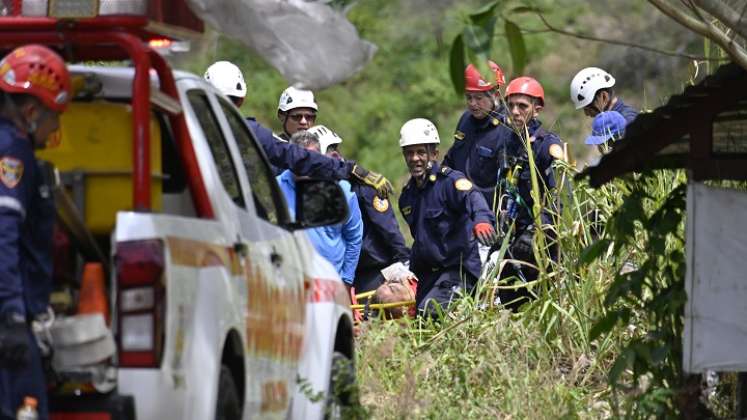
298, 117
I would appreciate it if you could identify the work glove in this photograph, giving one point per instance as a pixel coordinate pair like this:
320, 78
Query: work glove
382, 185
14, 342
521, 249
485, 234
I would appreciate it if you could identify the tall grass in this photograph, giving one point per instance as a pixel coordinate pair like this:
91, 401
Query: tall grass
481, 361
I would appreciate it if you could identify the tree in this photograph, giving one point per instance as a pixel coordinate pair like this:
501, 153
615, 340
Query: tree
722, 21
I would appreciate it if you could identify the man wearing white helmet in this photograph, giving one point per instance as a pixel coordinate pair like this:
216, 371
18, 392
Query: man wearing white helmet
383, 243
296, 111
340, 244
592, 89
227, 78
447, 218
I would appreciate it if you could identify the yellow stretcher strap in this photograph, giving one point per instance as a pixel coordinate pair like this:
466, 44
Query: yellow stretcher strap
365, 294
383, 305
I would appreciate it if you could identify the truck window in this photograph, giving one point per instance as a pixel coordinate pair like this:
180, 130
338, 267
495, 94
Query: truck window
218, 146
264, 186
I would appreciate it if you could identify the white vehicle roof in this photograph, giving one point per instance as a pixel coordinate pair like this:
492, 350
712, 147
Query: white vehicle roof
117, 81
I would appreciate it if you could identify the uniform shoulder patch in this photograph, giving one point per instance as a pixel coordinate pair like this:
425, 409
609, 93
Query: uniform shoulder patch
463, 184
406, 210
11, 171
380, 204
459, 135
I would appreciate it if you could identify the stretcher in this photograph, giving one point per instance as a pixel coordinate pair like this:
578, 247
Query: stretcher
366, 303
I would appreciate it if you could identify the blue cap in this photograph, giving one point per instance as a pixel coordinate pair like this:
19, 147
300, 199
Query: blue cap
607, 125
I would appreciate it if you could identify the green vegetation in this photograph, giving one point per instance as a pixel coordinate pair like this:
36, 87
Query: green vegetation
602, 338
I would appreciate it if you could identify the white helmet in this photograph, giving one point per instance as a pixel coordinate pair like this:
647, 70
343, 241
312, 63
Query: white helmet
227, 78
326, 137
586, 83
293, 98
418, 131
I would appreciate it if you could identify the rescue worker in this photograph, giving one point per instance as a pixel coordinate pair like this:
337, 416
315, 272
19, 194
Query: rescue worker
525, 99
447, 217
35, 88
296, 111
477, 149
228, 79
340, 244
383, 243
592, 89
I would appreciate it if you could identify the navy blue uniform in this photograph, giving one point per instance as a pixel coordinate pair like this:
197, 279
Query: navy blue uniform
524, 223
441, 215
302, 162
476, 152
627, 111
383, 243
26, 224
543, 139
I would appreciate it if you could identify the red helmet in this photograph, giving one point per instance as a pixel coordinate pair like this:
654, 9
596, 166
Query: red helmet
474, 82
38, 71
526, 86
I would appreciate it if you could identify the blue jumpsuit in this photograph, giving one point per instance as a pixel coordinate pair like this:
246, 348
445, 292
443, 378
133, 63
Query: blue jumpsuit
383, 243
283, 155
524, 221
442, 214
27, 217
627, 111
478, 152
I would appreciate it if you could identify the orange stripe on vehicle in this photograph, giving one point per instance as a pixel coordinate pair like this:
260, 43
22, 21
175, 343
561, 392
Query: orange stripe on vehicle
275, 317
192, 253
325, 290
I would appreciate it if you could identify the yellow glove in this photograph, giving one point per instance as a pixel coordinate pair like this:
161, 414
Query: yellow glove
382, 185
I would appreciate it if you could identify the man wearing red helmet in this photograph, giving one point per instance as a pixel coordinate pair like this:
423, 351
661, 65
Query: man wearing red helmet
34, 90
525, 99
476, 150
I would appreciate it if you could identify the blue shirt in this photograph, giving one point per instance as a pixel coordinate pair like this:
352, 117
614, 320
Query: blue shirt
339, 244
442, 214
627, 111
543, 139
27, 217
476, 152
283, 155
383, 243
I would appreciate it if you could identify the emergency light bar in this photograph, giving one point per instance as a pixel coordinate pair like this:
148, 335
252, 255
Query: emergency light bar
75, 9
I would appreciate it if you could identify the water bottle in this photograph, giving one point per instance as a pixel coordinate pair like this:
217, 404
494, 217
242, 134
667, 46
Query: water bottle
28, 410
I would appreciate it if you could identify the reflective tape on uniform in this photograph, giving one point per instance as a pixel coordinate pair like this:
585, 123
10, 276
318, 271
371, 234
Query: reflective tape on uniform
13, 204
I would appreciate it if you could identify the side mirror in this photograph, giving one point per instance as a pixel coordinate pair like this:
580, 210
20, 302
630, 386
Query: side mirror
319, 203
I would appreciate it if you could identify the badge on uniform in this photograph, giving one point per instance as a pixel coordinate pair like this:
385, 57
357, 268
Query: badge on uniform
496, 122
459, 135
380, 204
406, 210
11, 171
463, 184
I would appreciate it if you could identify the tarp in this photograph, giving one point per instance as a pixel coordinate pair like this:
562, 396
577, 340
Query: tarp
716, 280
309, 42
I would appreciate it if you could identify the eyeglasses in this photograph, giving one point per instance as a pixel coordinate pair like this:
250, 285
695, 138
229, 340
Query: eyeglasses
300, 116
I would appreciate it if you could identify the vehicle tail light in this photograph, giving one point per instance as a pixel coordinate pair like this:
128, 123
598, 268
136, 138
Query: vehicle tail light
141, 302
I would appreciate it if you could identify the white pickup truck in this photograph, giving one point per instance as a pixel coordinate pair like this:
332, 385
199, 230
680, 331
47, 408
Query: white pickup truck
221, 307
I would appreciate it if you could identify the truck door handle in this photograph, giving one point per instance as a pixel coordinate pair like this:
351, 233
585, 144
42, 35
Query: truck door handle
241, 249
276, 258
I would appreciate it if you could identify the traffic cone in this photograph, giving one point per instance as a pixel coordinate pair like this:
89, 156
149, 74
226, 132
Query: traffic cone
92, 291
